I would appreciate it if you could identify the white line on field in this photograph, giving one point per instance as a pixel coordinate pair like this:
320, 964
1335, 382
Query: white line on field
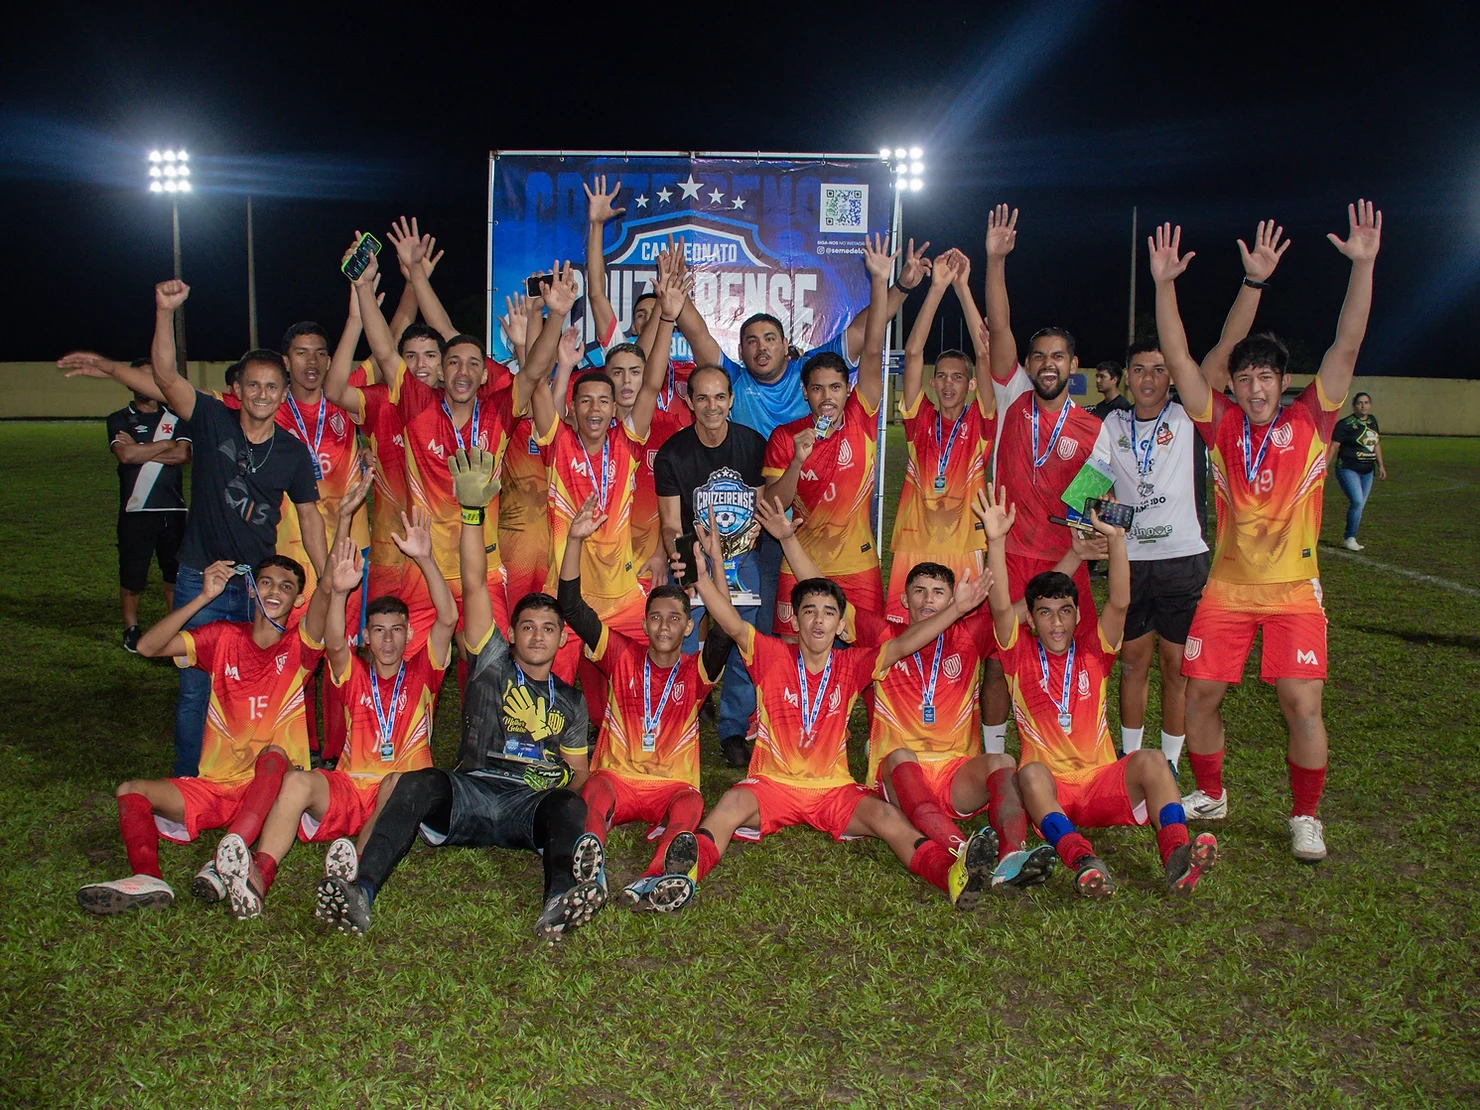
1403, 572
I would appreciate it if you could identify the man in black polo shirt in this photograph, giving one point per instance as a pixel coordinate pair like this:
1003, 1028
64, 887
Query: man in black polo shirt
717, 464
243, 465
1108, 378
151, 444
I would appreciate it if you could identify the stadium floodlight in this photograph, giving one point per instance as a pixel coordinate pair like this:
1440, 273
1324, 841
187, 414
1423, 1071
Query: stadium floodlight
907, 166
899, 152
916, 152
916, 168
916, 184
169, 173
884, 153
155, 156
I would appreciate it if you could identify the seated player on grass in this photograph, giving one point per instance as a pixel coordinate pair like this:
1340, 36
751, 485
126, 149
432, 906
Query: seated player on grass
799, 768
646, 763
256, 729
1068, 772
389, 702
521, 761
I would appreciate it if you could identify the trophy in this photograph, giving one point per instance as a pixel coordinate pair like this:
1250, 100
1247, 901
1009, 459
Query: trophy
725, 504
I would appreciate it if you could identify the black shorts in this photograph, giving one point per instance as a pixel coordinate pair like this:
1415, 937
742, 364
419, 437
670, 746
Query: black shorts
145, 536
1164, 595
489, 811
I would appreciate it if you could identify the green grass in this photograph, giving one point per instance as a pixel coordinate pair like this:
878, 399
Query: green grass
807, 974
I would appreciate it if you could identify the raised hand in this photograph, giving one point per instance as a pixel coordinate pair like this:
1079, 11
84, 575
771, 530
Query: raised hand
943, 271
1001, 231
432, 257
968, 595
772, 515
1260, 262
416, 543
346, 565
216, 576
358, 489
599, 202
1162, 249
1364, 236
1106, 530
961, 265
588, 521
710, 539
371, 274
514, 321
568, 351
473, 483
877, 259
406, 238
992, 509
1089, 546
803, 442
170, 295
673, 292
85, 364
560, 291
916, 265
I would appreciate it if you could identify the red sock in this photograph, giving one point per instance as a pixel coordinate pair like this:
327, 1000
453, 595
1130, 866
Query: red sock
684, 813
1208, 771
140, 837
462, 674
336, 723
921, 808
1169, 838
933, 864
708, 854
311, 711
267, 868
1073, 847
601, 804
1306, 785
1005, 813
268, 776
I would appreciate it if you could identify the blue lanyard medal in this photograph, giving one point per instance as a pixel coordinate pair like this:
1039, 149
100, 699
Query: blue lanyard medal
387, 722
528, 748
599, 488
318, 435
472, 428
1251, 470
944, 458
1066, 719
1039, 460
246, 571
652, 718
810, 708
1143, 465
927, 689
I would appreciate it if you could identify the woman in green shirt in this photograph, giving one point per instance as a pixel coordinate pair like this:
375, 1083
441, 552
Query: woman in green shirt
1358, 448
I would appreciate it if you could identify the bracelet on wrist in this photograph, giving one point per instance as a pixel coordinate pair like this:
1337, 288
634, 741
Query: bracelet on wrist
472, 516
667, 320
1252, 284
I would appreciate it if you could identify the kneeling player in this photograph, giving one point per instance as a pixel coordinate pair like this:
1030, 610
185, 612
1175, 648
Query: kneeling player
1057, 677
389, 707
646, 763
799, 768
255, 731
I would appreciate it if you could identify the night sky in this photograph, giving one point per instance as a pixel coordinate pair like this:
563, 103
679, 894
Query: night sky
1072, 112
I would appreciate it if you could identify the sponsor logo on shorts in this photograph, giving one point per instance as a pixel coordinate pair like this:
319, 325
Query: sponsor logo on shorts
1067, 447
952, 667
1306, 658
1193, 648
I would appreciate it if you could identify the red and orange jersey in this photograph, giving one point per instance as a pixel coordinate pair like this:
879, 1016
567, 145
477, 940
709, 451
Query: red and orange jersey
381, 418
947, 466
1071, 754
646, 531
256, 696
608, 568
1268, 489
432, 439
523, 525
672, 752
815, 759
834, 489
366, 752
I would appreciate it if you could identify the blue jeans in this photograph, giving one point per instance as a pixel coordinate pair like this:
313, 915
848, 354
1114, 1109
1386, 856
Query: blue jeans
233, 604
737, 691
1357, 487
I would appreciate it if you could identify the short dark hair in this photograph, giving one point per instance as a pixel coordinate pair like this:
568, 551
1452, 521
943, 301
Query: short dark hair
420, 331
711, 368
1141, 346
1051, 584
1358, 396
1259, 350
536, 601
931, 570
808, 587
282, 562
648, 296
262, 356
668, 593
233, 372
824, 360
1110, 366
593, 376
959, 355
137, 363
1053, 333
625, 349
462, 338
762, 318
303, 327
388, 604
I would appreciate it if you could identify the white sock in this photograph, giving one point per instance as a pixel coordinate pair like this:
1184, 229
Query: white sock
994, 738
1130, 739
1171, 747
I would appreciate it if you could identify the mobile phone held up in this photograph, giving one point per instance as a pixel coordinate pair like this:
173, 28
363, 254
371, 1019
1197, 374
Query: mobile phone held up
1112, 513
367, 248
685, 548
534, 285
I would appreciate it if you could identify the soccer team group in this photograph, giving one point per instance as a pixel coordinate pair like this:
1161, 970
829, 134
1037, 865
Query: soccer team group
601, 546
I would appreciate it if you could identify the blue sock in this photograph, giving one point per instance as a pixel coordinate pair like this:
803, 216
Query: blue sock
1055, 827
1172, 814
369, 892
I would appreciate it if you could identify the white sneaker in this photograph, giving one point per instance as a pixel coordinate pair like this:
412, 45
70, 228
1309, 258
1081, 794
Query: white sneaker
1306, 842
208, 885
1351, 544
342, 861
143, 892
1204, 807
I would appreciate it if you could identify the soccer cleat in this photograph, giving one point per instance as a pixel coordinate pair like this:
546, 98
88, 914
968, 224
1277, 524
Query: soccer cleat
1190, 862
131, 636
736, 752
1024, 868
1092, 878
208, 885
1351, 544
137, 892
1204, 807
1307, 842
243, 882
659, 893
342, 861
588, 861
681, 857
972, 869
344, 905
569, 910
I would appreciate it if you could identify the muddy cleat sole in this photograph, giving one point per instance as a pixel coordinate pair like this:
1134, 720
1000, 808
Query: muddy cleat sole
1092, 878
342, 905
342, 860
659, 893
588, 861
137, 892
1190, 862
971, 872
1024, 868
208, 886
568, 911
234, 866
681, 857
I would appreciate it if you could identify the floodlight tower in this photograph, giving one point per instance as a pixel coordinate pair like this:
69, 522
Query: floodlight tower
169, 174
909, 177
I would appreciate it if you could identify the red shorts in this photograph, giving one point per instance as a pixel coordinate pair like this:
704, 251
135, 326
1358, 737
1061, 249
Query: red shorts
639, 799
1289, 614
423, 614
829, 810
1100, 800
625, 617
1021, 569
966, 567
864, 590
351, 802
939, 774
208, 805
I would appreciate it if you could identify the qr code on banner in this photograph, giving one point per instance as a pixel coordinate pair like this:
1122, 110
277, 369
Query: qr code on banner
844, 208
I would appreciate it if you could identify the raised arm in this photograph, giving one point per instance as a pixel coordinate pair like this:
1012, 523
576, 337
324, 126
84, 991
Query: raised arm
1112, 616
377, 333
346, 568
407, 308
915, 269
1001, 238
981, 338
177, 393
1167, 264
784, 487
673, 294
90, 364
474, 486
411, 251
998, 517
773, 518
336, 383
415, 542
598, 211
916, 635
914, 348
870, 381
1361, 246
691, 324
1259, 264
162, 639
560, 298
714, 589
581, 618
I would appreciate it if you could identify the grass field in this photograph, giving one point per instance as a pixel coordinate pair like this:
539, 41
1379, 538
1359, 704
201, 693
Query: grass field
806, 974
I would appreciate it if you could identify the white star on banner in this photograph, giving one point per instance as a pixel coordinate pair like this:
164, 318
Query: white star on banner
739, 202
665, 195
715, 196
642, 202
690, 188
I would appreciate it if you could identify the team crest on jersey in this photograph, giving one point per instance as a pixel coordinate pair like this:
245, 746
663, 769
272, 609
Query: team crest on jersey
1124, 442
678, 693
1163, 435
845, 454
952, 667
1067, 447
1083, 684
1193, 648
652, 457
728, 501
281, 661
336, 424
1283, 436
783, 611
835, 700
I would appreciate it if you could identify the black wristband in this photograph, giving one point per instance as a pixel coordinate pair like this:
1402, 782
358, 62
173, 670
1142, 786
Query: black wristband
666, 320
907, 288
1252, 284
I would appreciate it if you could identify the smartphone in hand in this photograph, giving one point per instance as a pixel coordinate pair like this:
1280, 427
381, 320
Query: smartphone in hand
367, 248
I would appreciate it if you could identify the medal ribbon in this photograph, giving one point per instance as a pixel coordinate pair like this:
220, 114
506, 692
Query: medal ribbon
318, 434
386, 722
810, 708
652, 718
1252, 471
472, 426
1143, 467
1053, 439
944, 458
1061, 705
927, 690
600, 489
